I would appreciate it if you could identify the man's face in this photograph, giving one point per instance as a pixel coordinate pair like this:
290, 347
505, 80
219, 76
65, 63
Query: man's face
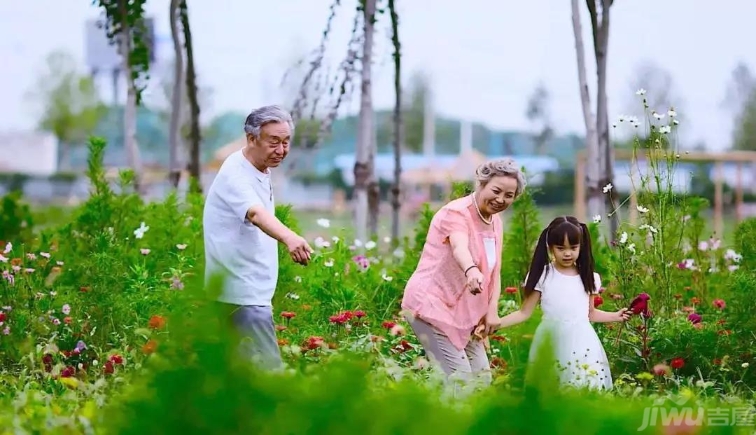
273, 144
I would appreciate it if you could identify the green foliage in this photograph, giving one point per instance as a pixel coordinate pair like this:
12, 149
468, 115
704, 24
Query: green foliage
15, 218
100, 335
122, 13
72, 107
524, 228
745, 243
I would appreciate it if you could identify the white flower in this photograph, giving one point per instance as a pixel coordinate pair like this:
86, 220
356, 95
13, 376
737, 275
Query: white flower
665, 129
640, 91
623, 237
297, 278
671, 113
292, 296
328, 263
139, 232
8, 248
321, 243
387, 239
386, 277
325, 223
744, 365
597, 219
648, 227
732, 256
657, 115
631, 248
642, 209
357, 242
676, 122
335, 239
369, 245
608, 188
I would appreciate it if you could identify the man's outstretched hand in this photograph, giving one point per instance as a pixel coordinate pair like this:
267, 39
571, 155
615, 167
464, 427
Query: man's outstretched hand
299, 249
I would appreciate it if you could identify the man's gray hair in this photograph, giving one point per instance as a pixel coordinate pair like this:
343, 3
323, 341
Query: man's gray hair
505, 167
265, 115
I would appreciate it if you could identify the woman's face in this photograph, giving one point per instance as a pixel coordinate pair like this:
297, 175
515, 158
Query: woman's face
497, 195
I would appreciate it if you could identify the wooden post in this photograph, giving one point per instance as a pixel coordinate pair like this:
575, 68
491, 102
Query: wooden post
718, 200
579, 201
739, 192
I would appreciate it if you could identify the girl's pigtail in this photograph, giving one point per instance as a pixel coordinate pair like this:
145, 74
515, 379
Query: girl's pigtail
585, 261
538, 263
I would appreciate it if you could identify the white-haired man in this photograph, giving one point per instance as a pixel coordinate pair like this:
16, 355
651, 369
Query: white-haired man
241, 232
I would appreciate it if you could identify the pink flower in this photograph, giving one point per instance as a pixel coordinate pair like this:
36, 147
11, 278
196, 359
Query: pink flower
719, 304
694, 318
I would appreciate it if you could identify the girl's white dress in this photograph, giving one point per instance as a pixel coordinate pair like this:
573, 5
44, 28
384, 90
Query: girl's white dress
581, 360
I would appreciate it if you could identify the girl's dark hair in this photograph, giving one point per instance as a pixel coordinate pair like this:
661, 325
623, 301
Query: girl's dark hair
554, 235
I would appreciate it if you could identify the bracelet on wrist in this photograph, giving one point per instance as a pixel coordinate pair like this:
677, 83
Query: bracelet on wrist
468, 269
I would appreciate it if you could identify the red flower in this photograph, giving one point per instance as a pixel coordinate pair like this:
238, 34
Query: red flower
339, 319
695, 301
67, 372
677, 363
156, 322
2, 316
719, 304
639, 305
67, 320
288, 314
116, 359
150, 347
694, 318
510, 290
597, 301
108, 368
313, 342
388, 324
359, 314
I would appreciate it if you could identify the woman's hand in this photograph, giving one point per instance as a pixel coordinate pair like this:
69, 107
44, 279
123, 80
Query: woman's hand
474, 280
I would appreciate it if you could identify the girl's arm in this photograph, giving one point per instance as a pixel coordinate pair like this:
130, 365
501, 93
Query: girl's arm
524, 313
598, 316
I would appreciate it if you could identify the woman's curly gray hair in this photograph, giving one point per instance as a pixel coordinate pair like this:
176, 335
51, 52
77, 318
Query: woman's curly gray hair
506, 167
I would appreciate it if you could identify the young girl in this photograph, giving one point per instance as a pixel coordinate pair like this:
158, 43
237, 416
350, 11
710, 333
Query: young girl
565, 287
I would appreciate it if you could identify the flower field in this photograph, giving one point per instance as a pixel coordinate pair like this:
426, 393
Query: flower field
106, 327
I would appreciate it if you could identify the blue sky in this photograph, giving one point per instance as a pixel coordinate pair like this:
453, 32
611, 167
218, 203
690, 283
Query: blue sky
484, 58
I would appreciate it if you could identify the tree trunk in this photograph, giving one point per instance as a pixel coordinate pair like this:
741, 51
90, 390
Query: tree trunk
593, 162
374, 192
396, 205
363, 165
174, 163
130, 110
191, 93
601, 47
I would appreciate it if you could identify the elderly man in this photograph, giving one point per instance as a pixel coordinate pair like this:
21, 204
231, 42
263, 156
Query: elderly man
241, 232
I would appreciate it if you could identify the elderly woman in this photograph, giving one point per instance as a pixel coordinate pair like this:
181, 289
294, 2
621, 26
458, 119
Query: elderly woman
457, 283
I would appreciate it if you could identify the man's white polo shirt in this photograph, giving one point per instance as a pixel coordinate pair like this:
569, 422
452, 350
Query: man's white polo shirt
242, 252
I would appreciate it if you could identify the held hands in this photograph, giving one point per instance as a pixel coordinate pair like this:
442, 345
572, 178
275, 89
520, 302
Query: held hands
474, 280
487, 326
299, 249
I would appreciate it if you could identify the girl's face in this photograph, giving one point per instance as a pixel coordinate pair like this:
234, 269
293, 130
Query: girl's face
566, 254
